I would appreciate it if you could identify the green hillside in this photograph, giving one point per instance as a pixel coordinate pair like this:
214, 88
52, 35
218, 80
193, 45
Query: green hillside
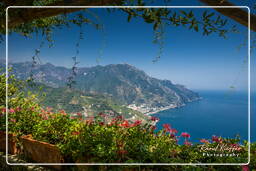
89, 104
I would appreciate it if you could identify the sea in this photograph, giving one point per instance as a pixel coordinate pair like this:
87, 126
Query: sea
220, 113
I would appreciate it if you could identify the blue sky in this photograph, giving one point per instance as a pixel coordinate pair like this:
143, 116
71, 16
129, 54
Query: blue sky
189, 58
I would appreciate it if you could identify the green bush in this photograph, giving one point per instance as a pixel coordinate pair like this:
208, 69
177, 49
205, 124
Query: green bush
119, 140
52, 128
23, 109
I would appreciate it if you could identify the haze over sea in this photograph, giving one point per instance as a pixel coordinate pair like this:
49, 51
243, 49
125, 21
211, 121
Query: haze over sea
221, 113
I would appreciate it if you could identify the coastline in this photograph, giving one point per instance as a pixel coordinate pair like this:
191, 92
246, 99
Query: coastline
161, 109
170, 107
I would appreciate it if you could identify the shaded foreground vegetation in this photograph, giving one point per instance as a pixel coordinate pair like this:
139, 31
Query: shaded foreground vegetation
116, 140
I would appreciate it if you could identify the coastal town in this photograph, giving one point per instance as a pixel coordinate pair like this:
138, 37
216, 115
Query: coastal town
148, 110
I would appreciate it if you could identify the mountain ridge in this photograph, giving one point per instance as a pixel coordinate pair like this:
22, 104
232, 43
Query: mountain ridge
123, 82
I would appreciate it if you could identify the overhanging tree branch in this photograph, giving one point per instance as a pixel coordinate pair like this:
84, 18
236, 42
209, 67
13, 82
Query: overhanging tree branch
237, 14
28, 15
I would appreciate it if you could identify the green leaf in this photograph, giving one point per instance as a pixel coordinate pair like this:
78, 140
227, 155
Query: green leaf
183, 12
190, 15
210, 15
174, 15
129, 17
204, 14
196, 28
156, 26
148, 19
217, 20
225, 22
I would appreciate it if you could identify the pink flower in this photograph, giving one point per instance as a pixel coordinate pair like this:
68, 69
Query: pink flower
119, 117
18, 109
153, 118
136, 123
125, 124
153, 127
216, 139
187, 143
204, 141
3, 110
173, 131
79, 114
185, 135
167, 127
113, 122
101, 123
63, 112
235, 145
172, 135
245, 168
12, 110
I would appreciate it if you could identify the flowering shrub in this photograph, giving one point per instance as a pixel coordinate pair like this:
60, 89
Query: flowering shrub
23, 111
24, 117
52, 128
101, 139
22, 108
119, 140
2, 119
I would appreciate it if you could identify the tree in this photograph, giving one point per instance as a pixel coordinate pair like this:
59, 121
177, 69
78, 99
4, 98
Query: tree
25, 16
236, 14
26, 21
